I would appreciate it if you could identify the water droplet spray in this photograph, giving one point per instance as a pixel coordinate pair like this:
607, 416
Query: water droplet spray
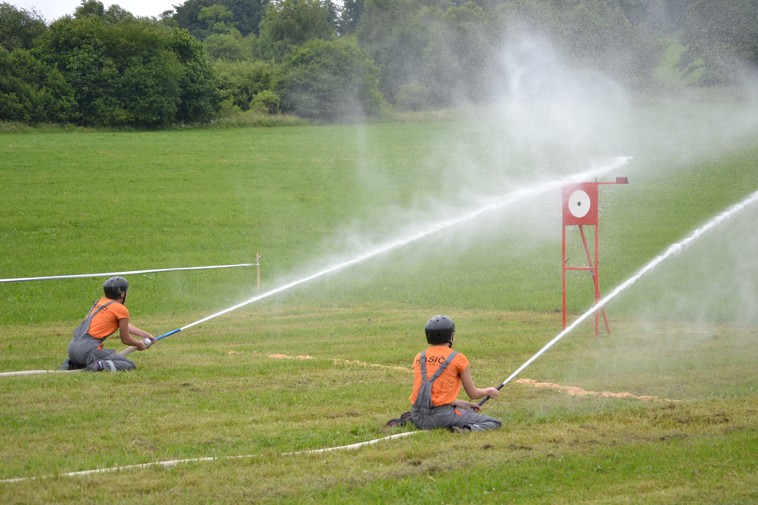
649, 267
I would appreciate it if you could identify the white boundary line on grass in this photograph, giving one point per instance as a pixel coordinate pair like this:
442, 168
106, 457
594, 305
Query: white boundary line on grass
174, 462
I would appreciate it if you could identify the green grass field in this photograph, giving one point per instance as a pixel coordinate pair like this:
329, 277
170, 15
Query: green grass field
327, 363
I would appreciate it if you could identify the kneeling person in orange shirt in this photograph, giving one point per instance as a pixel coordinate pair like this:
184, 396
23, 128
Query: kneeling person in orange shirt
439, 373
107, 315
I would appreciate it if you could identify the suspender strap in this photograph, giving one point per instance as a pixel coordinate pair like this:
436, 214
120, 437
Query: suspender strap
439, 371
83, 328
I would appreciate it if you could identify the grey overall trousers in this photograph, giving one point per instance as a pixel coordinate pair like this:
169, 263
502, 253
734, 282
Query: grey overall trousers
426, 416
84, 349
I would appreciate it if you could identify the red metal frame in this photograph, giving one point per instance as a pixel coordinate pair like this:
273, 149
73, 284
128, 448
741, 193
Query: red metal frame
580, 209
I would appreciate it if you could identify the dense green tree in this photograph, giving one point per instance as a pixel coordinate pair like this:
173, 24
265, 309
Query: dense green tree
31, 92
246, 15
330, 80
721, 33
240, 82
352, 11
596, 34
199, 97
437, 53
395, 38
186, 14
117, 14
113, 14
289, 24
461, 55
229, 46
104, 66
224, 42
90, 8
217, 19
333, 13
19, 28
123, 73
136, 73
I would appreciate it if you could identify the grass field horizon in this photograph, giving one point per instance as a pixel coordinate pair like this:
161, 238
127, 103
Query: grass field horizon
662, 410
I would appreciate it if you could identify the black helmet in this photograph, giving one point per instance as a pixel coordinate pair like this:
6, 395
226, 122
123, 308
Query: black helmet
439, 330
115, 287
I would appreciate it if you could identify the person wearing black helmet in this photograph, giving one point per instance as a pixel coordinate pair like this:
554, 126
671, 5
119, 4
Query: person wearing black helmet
439, 372
108, 315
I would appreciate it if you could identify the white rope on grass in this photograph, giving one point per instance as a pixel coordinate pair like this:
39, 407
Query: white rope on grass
174, 462
82, 473
351, 446
37, 372
110, 274
358, 445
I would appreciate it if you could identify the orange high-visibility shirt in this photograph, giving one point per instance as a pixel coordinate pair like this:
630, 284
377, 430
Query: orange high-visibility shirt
447, 386
105, 322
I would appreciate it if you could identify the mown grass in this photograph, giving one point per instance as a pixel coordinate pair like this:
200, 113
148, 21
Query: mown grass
328, 363
245, 388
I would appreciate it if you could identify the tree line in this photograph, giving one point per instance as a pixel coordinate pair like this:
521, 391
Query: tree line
318, 60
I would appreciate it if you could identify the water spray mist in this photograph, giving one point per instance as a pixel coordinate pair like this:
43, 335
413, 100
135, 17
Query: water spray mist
494, 205
649, 267
498, 204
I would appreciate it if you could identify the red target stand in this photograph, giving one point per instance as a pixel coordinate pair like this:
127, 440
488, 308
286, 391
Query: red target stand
580, 209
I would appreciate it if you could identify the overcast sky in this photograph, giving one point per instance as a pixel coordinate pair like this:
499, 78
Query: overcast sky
54, 9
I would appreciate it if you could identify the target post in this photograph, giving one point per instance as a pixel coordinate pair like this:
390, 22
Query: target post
580, 210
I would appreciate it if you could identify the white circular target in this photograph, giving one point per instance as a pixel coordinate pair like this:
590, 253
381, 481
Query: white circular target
579, 203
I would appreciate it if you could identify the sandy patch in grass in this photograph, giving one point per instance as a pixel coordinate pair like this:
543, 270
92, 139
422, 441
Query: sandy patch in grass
576, 391
569, 390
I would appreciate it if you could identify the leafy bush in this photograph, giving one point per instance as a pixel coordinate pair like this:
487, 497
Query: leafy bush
240, 81
131, 73
19, 28
31, 92
328, 80
413, 97
266, 101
